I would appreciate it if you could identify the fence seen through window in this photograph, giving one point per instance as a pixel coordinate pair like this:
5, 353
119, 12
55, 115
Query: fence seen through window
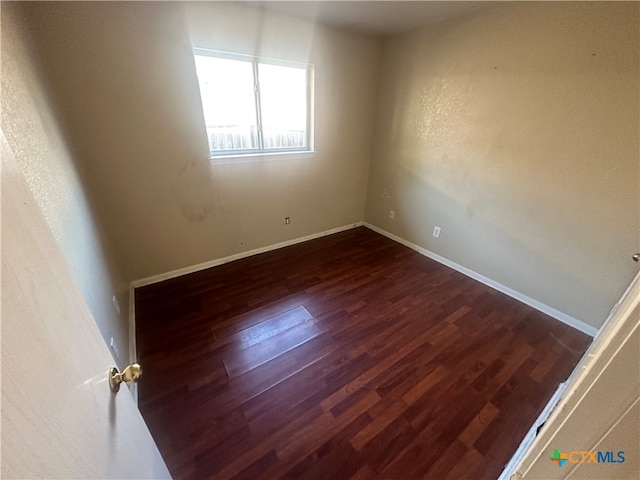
254, 106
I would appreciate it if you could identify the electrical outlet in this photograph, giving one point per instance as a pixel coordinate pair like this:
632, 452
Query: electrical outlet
436, 232
287, 220
392, 214
116, 305
114, 348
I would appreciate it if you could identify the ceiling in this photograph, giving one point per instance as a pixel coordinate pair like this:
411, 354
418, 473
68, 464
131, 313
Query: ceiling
380, 18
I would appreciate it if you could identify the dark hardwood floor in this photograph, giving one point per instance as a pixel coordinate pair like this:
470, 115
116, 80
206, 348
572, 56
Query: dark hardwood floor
349, 356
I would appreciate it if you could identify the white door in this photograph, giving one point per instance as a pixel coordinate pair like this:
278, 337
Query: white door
59, 418
600, 412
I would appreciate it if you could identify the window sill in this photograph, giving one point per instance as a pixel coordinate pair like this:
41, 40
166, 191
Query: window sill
259, 157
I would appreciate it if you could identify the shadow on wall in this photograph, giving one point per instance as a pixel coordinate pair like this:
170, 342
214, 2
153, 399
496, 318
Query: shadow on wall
38, 136
123, 81
524, 152
123, 78
507, 256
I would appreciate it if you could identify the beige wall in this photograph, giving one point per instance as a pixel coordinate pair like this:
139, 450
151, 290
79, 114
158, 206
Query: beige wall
124, 78
33, 132
516, 130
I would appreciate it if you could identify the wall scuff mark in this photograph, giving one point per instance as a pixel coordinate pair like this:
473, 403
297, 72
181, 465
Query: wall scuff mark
193, 192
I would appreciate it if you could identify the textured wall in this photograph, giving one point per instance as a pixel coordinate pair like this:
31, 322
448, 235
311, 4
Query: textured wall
34, 134
124, 79
516, 130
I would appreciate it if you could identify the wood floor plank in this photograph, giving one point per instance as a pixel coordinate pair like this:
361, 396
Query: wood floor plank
242, 360
265, 330
381, 420
469, 467
334, 459
439, 469
478, 424
278, 369
385, 447
349, 356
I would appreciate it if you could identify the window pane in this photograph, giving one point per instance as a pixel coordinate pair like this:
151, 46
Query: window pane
228, 100
283, 103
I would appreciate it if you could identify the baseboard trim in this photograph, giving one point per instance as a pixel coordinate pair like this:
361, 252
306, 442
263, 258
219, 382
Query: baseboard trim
552, 312
221, 261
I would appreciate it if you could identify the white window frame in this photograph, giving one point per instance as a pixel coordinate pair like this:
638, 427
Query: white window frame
239, 154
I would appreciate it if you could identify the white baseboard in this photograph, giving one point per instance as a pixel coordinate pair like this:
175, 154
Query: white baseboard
552, 312
221, 261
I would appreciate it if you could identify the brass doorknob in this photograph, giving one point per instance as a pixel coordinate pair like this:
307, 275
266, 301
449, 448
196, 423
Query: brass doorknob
636, 257
130, 374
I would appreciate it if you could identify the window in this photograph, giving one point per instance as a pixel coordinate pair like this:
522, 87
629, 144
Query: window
254, 105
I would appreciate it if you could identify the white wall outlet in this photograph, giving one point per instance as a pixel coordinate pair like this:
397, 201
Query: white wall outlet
436, 232
114, 348
116, 305
287, 220
392, 214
